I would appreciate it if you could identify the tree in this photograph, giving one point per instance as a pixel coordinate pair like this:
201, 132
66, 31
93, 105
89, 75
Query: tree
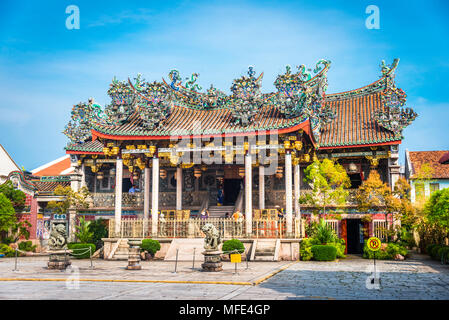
424, 174
328, 181
11, 229
373, 194
7, 214
100, 230
17, 197
70, 199
437, 209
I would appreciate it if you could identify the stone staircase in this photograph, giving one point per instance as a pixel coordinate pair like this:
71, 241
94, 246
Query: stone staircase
220, 211
120, 251
266, 250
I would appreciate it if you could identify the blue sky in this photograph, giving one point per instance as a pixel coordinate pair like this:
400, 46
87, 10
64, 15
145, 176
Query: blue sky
45, 68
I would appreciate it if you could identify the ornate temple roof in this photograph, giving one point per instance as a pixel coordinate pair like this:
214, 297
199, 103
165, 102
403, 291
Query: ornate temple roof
369, 115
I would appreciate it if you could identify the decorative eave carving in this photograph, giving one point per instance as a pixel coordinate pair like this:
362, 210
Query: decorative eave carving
393, 116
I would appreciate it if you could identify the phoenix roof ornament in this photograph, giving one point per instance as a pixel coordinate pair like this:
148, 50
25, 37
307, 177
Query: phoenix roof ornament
393, 116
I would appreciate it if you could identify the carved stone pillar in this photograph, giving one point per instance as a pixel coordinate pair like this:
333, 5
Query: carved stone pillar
155, 197
179, 179
146, 195
248, 195
297, 186
261, 187
118, 194
288, 192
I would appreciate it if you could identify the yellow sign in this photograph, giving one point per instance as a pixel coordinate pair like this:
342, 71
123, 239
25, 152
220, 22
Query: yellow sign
374, 243
236, 258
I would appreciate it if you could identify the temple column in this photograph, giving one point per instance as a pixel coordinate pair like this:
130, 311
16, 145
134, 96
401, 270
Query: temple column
288, 191
261, 187
118, 194
179, 188
297, 186
146, 197
83, 176
155, 197
248, 195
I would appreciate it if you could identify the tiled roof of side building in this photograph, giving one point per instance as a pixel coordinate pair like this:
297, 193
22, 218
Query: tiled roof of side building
49, 186
418, 158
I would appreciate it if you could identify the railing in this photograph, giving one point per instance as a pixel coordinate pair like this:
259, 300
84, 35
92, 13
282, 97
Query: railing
191, 228
136, 199
380, 229
277, 197
334, 225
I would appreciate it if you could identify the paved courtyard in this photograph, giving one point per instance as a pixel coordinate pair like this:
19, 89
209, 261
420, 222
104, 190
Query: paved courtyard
415, 278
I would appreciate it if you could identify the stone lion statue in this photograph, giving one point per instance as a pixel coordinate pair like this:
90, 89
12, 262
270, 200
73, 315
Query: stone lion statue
58, 236
213, 238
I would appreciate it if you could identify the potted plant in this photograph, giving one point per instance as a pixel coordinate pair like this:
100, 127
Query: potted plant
150, 247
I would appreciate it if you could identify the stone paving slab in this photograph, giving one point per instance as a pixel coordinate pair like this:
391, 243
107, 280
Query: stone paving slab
418, 278
157, 270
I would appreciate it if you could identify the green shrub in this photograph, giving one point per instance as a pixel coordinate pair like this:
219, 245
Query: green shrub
27, 246
99, 230
80, 250
386, 253
324, 252
434, 251
305, 249
7, 250
233, 244
150, 245
324, 233
429, 248
442, 253
340, 246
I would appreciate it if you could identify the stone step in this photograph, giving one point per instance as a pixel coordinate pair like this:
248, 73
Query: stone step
265, 251
120, 257
265, 254
263, 258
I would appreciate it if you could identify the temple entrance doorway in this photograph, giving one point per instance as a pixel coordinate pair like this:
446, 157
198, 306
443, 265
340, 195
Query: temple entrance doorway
355, 238
231, 188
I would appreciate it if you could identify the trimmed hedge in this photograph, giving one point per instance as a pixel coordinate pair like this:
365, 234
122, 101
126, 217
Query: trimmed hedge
150, 245
233, 244
324, 252
305, 249
80, 250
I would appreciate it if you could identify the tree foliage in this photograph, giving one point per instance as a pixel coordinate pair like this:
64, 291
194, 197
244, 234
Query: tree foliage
17, 197
328, 181
7, 214
375, 195
70, 199
10, 228
437, 209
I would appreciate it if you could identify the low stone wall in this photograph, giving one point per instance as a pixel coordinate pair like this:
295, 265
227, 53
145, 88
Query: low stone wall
288, 251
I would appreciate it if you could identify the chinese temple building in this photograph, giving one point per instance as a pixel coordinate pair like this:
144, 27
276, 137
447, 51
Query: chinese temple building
166, 151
